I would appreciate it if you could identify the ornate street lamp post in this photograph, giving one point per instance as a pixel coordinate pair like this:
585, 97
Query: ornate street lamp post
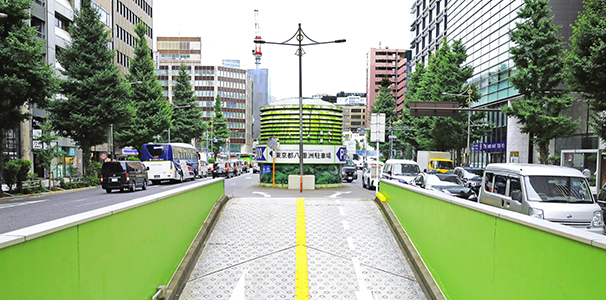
300, 35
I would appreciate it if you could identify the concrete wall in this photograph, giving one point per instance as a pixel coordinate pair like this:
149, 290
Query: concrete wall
475, 251
122, 251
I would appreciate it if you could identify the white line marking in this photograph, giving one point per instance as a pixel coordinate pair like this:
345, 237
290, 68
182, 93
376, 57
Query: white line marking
345, 225
80, 200
265, 195
239, 291
350, 243
337, 194
9, 205
341, 211
338, 201
248, 177
364, 293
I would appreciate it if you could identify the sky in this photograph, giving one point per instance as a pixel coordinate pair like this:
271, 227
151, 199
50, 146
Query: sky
227, 30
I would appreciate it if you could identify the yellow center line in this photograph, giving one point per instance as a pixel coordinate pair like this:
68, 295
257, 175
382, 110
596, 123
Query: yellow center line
301, 277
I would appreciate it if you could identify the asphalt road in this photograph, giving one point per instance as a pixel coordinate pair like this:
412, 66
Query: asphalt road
21, 212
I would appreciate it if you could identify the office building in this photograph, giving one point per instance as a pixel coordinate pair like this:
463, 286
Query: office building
483, 28
51, 20
234, 85
390, 63
261, 96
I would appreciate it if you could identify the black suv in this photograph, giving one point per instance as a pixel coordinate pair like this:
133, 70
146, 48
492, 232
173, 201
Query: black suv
123, 175
223, 169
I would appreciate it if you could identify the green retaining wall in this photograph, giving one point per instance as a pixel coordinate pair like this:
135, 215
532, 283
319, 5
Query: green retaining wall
123, 251
475, 251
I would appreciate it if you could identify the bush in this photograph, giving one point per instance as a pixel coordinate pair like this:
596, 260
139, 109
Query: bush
16, 171
133, 158
211, 160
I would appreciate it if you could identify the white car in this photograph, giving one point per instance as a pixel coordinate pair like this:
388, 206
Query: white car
371, 174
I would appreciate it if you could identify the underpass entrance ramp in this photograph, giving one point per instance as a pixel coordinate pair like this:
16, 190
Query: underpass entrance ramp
300, 248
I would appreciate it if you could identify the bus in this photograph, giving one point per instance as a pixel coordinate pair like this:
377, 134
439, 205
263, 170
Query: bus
170, 161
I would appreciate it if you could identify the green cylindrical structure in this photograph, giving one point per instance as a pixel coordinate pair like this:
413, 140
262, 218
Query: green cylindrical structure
323, 150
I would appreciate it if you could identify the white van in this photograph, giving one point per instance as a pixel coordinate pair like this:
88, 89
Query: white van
401, 170
554, 193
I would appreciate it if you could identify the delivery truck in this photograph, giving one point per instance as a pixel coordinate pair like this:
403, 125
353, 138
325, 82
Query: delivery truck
434, 161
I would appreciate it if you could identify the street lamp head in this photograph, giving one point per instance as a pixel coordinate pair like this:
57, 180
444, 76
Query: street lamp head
340, 41
3, 15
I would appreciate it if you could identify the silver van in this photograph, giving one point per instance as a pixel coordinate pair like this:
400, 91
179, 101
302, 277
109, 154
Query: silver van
554, 193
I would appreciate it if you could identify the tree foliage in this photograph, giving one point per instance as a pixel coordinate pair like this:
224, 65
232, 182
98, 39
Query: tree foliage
152, 112
586, 61
444, 79
219, 127
187, 118
539, 63
25, 77
93, 93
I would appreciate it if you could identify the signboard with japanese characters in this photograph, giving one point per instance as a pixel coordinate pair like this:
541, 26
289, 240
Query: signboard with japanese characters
312, 154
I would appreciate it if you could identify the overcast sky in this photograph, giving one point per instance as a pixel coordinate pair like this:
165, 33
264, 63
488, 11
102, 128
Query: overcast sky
227, 30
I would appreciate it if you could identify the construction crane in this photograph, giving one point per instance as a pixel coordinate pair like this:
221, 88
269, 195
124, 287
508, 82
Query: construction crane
257, 51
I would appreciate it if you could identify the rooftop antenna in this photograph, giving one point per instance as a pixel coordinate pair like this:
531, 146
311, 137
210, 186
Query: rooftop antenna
257, 51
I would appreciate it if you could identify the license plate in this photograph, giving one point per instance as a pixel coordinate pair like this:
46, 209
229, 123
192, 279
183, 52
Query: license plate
156, 176
114, 179
349, 177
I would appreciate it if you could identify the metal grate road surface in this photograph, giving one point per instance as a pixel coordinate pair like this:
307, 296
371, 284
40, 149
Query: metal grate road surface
297, 248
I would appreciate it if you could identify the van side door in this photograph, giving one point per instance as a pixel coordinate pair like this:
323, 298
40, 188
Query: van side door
386, 172
515, 196
488, 194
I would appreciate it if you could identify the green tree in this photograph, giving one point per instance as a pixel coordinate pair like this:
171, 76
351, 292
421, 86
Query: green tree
93, 93
219, 127
384, 104
153, 113
445, 74
539, 63
50, 150
187, 119
25, 78
16, 172
586, 61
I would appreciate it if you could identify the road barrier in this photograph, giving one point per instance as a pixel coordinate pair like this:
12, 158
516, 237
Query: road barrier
124, 251
475, 251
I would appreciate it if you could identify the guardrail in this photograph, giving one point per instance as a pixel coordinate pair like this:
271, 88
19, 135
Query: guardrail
475, 251
123, 251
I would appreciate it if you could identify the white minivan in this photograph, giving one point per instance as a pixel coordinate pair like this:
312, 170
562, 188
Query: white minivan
554, 193
401, 170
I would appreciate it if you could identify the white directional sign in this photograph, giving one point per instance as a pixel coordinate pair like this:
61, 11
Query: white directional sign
377, 128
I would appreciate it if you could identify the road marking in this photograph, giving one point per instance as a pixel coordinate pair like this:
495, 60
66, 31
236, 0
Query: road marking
265, 195
345, 225
301, 275
341, 211
80, 200
248, 177
239, 291
337, 194
350, 243
364, 293
9, 205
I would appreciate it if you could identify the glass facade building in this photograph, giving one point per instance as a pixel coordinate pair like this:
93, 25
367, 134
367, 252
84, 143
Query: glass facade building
483, 27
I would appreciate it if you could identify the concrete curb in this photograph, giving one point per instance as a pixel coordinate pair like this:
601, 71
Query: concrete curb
424, 278
8, 198
179, 279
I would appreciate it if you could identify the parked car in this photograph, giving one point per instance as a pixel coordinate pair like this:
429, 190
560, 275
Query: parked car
471, 177
371, 174
223, 169
349, 171
401, 170
202, 169
554, 193
255, 167
237, 166
123, 175
445, 183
